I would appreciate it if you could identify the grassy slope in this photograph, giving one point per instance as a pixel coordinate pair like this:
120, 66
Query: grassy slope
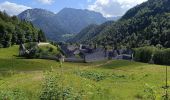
45, 48
123, 79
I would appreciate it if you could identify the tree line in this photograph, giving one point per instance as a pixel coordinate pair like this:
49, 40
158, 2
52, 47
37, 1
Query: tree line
14, 31
151, 54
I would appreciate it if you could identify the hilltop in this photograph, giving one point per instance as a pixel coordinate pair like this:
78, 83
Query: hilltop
146, 24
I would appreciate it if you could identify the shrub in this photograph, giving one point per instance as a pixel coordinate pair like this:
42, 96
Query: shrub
149, 93
54, 89
50, 49
95, 76
158, 56
162, 57
144, 54
51, 88
40, 51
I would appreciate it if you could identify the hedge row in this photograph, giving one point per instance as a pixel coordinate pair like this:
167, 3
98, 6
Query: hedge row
144, 54
152, 54
162, 57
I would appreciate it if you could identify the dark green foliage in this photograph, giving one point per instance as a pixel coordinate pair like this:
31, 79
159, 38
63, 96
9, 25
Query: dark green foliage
87, 34
41, 36
33, 50
14, 31
144, 25
162, 57
54, 89
92, 75
51, 88
41, 51
156, 55
101, 76
144, 54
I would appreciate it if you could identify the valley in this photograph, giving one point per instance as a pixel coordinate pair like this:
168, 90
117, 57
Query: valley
65, 23
85, 50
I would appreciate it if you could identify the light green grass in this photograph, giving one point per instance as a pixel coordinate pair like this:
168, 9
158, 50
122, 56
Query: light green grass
45, 49
9, 52
105, 80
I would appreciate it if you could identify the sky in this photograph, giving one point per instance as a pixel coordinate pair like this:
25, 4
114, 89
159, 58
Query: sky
109, 8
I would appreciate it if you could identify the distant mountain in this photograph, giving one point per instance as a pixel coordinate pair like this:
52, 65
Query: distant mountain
42, 19
74, 20
35, 14
145, 24
67, 22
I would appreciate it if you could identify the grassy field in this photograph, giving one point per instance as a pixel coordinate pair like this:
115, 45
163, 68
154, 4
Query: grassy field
24, 79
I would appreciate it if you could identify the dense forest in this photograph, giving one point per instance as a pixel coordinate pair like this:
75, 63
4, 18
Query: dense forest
91, 31
144, 25
14, 31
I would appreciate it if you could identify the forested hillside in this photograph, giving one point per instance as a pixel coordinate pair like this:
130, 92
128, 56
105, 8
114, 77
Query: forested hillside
87, 34
145, 24
84, 34
13, 31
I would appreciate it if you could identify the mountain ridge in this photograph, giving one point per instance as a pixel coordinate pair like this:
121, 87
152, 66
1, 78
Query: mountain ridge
146, 24
67, 21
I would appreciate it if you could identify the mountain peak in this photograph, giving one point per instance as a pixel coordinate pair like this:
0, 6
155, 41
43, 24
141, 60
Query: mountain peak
68, 20
80, 11
33, 14
38, 10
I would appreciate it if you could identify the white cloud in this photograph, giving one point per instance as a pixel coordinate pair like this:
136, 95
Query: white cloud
111, 8
12, 8
46, 1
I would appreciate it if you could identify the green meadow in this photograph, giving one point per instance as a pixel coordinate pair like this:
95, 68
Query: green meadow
32, 79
